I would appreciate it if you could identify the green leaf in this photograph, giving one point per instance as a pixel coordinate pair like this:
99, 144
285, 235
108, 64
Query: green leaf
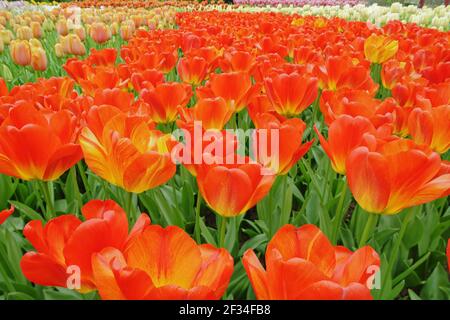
437, 281
27, 211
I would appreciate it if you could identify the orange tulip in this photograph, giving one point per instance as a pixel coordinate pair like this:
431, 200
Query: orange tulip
61, 27
20, 51
146, 79
292, 93
127, 31
431, 127
192, 70
302, 264
38, 59
67, 242
261, 104
235, 87
214, 113
5, 214
355, 103
340, 72
26, 132
345, 134
163, 264
36, 29
100, 33
237, 61
379, 48
286, 149
232, 189
165, 100
125, 150
396, 175
71, 44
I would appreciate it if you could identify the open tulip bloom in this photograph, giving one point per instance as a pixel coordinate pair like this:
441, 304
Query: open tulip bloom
261, 150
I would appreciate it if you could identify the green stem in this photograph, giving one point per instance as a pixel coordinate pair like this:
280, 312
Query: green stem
84, 179
394, 252
340, 212
129, 205
222, 231
368, 229
197, 218
44, 186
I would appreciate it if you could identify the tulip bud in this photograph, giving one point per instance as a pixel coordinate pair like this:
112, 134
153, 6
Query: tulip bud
6, 36
80, 32
35, 43
2, 46
114, 28
24, 33
127, 31
72, 44
99, 32
36, 29
20, 52
59, 51
38, 59
61, 27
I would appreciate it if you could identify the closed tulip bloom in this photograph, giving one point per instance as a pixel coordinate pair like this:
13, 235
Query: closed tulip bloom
163, 264
2, 46
396, 175
232, 189
4, 214
235, 87
127, 31
36, 29
61, 27
278, 144
24, 33
431, 127
80, 32
292, 93
302, 264
26, 132
38, 59
20, 51
125, 150
379, 48
66, 242
345, 134
100, 32
6, 36
165, 99
59, 50
214, 113
71, 44
192, 70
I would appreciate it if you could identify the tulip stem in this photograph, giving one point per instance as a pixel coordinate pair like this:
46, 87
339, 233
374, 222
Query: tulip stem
368, 229
340, 212
222, 231
45, 189
197, 218
394, 253
84, 179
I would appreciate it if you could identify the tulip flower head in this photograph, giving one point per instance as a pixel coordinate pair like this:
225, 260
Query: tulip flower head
302, 264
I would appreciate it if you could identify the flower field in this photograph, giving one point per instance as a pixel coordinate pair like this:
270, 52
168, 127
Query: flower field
194, 151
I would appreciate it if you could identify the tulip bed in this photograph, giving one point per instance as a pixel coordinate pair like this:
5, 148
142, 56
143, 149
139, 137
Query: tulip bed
172, 152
